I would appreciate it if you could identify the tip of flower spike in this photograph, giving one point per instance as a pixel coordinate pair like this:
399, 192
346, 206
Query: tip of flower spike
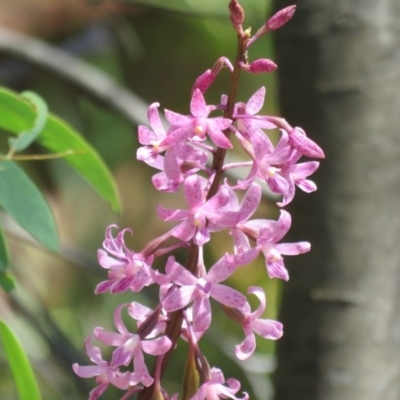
236, 14
280, 18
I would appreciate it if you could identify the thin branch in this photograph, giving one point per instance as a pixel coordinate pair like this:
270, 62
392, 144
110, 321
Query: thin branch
89, 79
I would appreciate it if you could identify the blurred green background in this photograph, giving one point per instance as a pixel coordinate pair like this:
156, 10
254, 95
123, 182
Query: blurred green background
148, 51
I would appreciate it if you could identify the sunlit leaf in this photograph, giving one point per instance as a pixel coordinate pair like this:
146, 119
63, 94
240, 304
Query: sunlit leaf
24, 139
17, 115
21, 199
21, 369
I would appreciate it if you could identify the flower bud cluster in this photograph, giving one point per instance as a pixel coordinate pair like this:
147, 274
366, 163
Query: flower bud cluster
188, 155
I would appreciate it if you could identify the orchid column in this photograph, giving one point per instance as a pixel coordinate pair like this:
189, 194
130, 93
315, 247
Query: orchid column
189, 155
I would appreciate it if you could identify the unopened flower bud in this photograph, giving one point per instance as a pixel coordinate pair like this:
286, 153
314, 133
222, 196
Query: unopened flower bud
280, 18
236, 14
304, 145
275, 22
204, 81
259, 66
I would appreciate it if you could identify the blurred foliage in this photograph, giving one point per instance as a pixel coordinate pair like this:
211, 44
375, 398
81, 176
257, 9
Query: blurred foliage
157, 55
19, 364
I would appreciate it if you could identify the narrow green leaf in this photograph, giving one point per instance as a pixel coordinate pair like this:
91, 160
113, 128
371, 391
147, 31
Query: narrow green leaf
24, 139
6, 279
4, 260
17, 115
22, 200
20, 367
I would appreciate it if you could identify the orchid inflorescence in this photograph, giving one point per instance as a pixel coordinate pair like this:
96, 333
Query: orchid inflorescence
181, 154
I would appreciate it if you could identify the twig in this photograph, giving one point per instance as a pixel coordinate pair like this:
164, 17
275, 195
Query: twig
70, 68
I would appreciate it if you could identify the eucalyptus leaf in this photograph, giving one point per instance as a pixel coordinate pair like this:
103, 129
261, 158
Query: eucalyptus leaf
21, 369
22, 200
18, 116
24, 139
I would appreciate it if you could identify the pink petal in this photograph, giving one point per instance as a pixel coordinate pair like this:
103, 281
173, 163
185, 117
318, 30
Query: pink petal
282, 227
241, 241
157, 346
155, 121
109, 338
98, 391
276, 269
227, 265
216, 134
221, 270
104, 286
119, 324
140, 368
123, 355
227, 296
201, 314
171, 215
201, 236
176, 136
247, 347
146, 136
88, 371
256, 101
219, 200
268, 329
259, 293
184, 230
138, 311
121, 285
261, 144
198, 106
162, 183
289, 195
303, 170
193, 189
178, 299
176, 119
293, 249
179, 274
307, 186
106, 261
277, 183
217, 377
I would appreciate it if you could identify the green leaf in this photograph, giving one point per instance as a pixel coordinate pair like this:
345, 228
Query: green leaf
18, 115
22, 200
4, 260
19, 363
24, 139
6, 279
